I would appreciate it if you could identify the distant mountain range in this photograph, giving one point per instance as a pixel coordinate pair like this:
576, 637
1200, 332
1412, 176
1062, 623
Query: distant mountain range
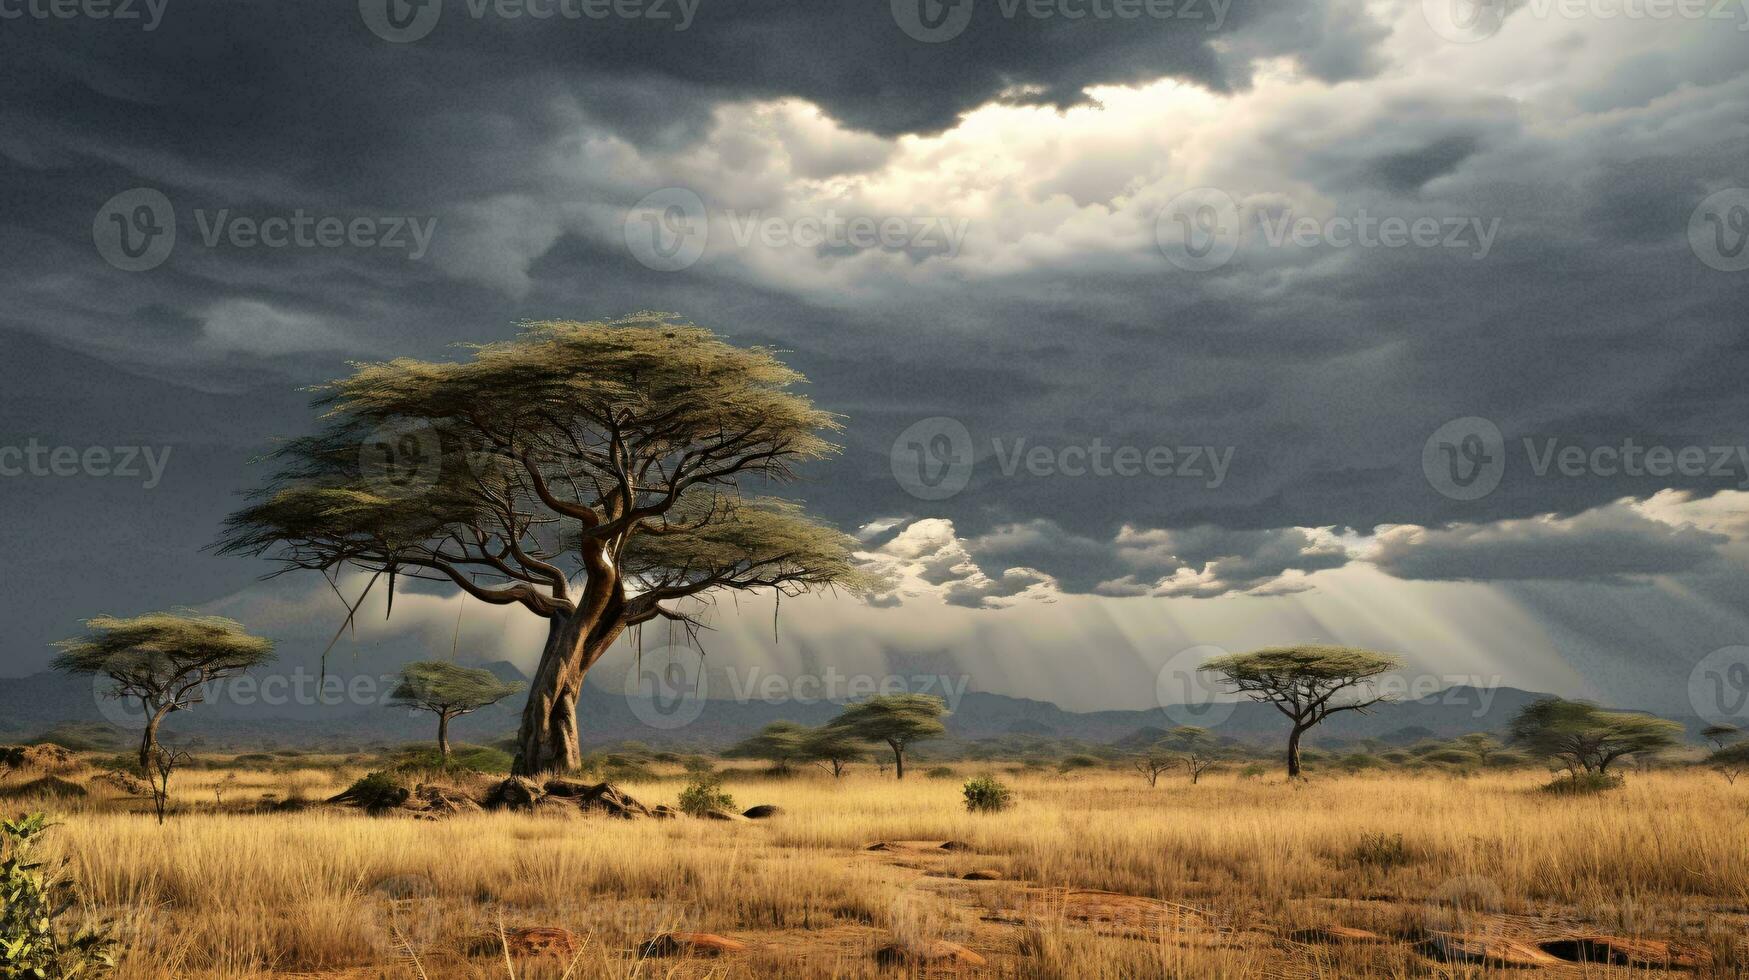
34, 705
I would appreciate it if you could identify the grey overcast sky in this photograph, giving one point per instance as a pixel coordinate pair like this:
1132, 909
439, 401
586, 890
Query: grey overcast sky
1154, 325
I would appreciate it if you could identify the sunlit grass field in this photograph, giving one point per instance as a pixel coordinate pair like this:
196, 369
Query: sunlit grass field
1247, 861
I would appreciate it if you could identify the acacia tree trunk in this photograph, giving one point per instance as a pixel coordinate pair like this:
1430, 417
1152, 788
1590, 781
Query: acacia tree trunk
149, 741
443, 735
548, 739
898, 759
1293, 752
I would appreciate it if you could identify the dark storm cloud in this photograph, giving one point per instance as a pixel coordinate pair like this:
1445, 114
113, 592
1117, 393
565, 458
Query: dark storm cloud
1322, 373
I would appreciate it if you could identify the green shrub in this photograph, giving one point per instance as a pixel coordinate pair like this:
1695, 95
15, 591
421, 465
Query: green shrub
34, 941
376, 791
1078, 762
1580, 784
703, 795
1254, 770
940, 772
987, 794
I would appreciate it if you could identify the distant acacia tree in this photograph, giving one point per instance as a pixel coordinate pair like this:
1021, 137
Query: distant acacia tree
1152, 762
448, 691
614, 452
1303, 682
1586, 739
781, 743
832, 750
1194, 747
1731, 761
1721, 734
896, 719
1482, 745
162, 660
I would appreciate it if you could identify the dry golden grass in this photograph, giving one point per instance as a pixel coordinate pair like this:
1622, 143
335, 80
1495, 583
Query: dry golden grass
335, 893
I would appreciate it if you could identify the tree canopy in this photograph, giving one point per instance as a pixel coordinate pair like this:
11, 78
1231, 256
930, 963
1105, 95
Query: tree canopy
896, 719
162, 659
1303, 682
600, 475
1586, 738
448, 691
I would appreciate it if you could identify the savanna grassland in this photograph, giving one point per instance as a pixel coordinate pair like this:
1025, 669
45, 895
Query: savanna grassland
1090, 874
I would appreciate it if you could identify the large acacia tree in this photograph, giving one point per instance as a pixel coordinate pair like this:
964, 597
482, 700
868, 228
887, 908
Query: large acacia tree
598, 475
1307, 683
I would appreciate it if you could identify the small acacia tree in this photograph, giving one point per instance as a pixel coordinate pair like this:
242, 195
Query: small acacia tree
781, 743
588, 473
1731, 761
1586, 739
896, 719
1194, 747
1152, 762
163, 660
1721, 734
1303, 683
448, 691
832, 750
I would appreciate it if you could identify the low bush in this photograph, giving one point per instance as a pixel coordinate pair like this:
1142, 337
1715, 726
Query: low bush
703, 795
1579, 784
987, 794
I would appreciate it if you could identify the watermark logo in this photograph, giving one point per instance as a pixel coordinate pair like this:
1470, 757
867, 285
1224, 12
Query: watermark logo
1718, 687
402, 457
1190, 695
668, 229
932, 459
666, 687
1465, 458
932, 21
135, 230
1199, 229
1464, 21
1718, 230
400, 21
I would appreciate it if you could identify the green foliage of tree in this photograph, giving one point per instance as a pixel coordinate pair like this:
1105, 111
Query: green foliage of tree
1303, 683
614, 451
1586, 739
1721, 734
832, 749
1194, 747
35, 941
781, 743
1731, 761
163, 660
895, 719
449, 691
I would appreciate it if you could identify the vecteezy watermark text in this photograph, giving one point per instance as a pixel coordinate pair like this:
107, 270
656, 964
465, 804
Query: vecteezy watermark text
148, 13
405, 21
933, 459
1466, 458
124, 462
936, 21
136, 230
